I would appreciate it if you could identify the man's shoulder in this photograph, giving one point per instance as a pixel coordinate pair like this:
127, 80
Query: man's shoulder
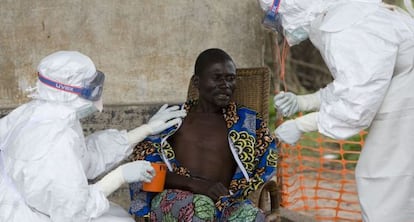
242, 109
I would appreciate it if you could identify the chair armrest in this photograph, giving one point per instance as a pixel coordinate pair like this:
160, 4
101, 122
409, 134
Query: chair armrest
267, 199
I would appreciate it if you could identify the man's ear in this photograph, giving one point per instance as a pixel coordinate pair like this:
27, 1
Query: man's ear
196, 81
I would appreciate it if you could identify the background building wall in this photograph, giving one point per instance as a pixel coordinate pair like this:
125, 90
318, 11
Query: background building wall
146, 48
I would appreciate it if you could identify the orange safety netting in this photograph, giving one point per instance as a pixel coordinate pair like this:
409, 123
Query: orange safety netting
317, 177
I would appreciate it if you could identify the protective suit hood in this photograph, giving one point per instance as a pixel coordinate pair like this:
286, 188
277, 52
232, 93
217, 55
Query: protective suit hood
299, 14
69, 68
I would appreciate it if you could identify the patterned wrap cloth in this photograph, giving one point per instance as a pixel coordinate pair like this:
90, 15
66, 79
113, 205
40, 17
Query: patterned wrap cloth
255, 149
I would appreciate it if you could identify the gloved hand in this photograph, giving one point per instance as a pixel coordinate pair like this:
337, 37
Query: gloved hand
286, 103
163, 119
137, 171
289, 103
290, 131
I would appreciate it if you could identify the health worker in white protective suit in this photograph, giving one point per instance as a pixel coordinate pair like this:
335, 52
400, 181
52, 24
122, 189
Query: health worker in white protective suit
369, 50
45, 160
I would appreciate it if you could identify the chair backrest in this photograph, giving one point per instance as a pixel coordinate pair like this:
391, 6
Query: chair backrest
252, 89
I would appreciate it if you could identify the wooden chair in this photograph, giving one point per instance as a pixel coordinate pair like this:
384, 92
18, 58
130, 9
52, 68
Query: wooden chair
252, 90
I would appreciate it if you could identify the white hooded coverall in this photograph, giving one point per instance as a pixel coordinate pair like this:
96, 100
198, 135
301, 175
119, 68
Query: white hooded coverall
369, 50
372, 62
46, 161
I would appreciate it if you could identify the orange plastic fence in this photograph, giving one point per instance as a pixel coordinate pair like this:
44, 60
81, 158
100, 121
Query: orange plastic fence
317, 177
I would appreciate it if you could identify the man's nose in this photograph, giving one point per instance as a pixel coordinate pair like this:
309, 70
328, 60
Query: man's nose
223, 83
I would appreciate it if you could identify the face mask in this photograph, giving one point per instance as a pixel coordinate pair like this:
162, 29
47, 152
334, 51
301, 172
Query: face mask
296, 36
86, 110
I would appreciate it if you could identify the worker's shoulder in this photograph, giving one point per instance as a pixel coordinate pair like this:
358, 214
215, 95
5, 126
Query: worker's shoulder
40, 130
345, 15
245, 109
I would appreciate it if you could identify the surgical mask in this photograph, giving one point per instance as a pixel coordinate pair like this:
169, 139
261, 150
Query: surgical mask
296, 36
86, 110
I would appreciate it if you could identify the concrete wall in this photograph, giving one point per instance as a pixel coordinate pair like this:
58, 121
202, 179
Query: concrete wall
146, 48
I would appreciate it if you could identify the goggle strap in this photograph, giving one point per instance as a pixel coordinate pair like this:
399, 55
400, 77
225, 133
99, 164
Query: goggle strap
275, 6
60, 86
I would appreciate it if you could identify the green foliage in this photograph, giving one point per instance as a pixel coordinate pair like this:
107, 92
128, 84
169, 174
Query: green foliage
272, 115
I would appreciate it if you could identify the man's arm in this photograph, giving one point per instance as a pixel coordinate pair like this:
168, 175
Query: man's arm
267, 156
265, 169
267, 153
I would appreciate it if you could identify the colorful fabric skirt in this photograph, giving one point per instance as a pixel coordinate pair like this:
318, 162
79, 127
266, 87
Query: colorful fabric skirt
183, 206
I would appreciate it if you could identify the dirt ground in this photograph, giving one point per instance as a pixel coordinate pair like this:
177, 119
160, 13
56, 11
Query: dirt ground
324, 195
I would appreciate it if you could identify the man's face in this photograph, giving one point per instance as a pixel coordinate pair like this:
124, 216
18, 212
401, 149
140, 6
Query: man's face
217, 83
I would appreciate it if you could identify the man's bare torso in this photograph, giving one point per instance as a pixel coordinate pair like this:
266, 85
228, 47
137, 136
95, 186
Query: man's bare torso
201, 146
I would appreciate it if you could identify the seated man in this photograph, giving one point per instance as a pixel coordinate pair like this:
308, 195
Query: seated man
221, 152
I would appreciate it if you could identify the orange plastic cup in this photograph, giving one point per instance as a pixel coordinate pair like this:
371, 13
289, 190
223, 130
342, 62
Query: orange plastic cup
157, 183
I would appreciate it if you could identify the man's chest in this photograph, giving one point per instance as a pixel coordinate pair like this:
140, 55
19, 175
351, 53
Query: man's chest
202, 137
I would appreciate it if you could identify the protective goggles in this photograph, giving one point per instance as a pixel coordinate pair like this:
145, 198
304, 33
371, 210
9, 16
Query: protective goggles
272, 18
91, 89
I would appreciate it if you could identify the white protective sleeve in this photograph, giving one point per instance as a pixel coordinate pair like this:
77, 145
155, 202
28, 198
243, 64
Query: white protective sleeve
138, 134
308, 122
309, 102
136, 171
111, 182
106, 149
362, 73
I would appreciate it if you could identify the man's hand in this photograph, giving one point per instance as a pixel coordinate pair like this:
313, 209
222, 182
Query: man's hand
214, 190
